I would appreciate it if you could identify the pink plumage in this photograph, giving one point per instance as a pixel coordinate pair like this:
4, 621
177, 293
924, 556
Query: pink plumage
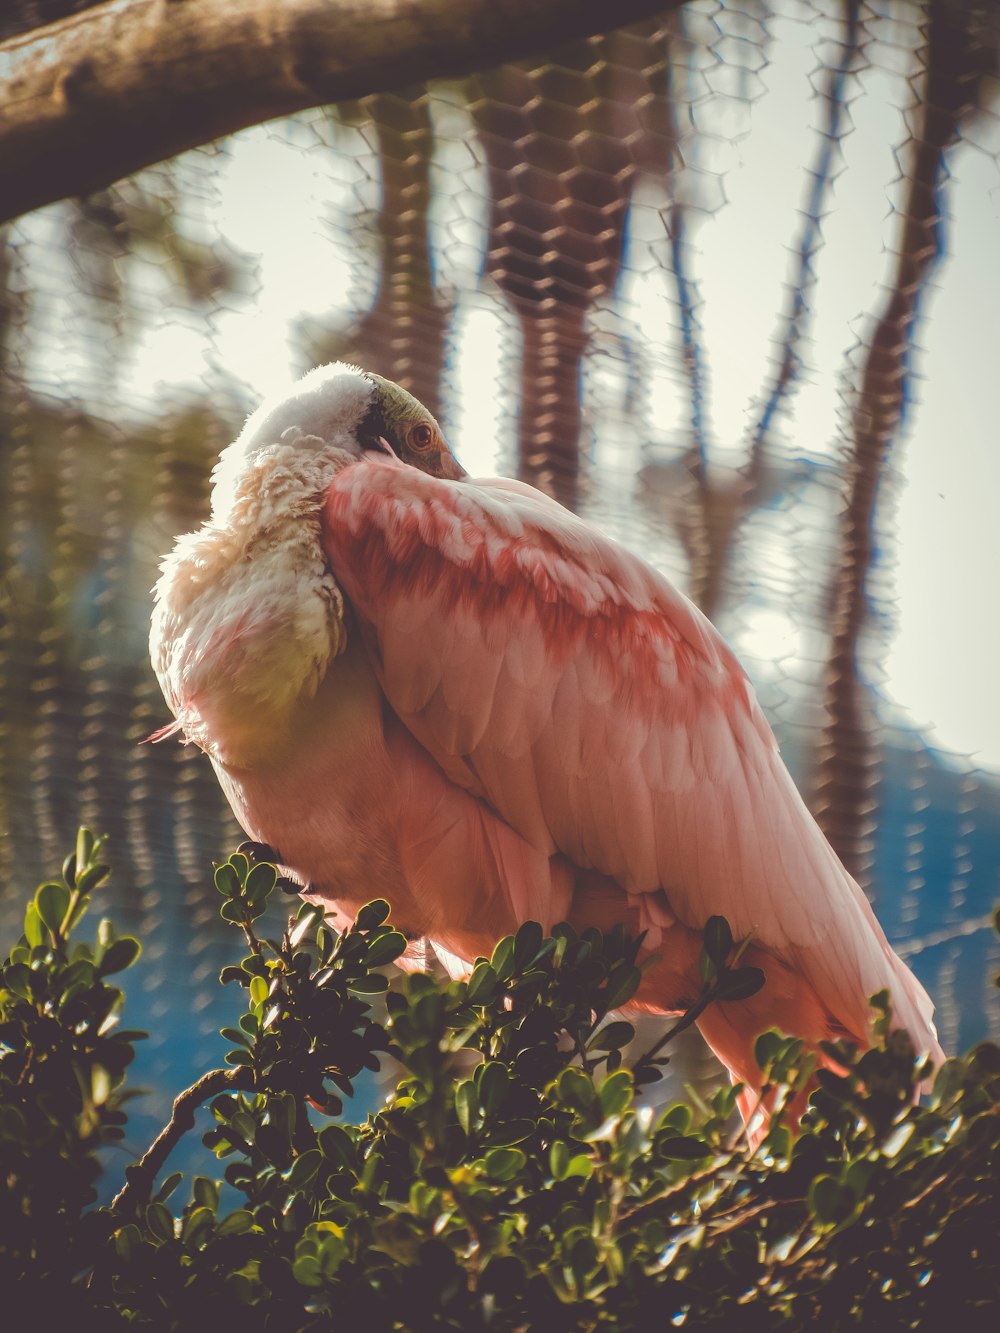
479, 707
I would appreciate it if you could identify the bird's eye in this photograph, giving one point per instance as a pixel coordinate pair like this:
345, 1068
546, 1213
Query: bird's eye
420, 436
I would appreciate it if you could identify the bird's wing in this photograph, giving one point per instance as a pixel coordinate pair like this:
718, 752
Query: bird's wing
556, 675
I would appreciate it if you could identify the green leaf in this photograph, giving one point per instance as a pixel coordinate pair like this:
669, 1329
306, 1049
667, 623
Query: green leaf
226, 880
77, 910
385, 949
504, 1163
372, 984
492, 1081
306, 1271
616, 1093
121, 955
237, 1037
564, 1164
258, 990
197, 1224
127, 1241
502, 961
767, 1048
511, 1131
859, 1175
740, 983
307, 920
482, 984
34, 931
89, 879
559, 1156
623, 983
159, 1222
17, 978
205, 1193
612, 1036
336, 1146
243, 1287
582, 1257
527, 943
304, 1168
85, 844
779, 1140
684, 1148
52, 904
241, 864
830, 1201
717, 939
168, 1187
236, 1223
467, 1104
581, 1165
373, 914
260, 882
576, 1090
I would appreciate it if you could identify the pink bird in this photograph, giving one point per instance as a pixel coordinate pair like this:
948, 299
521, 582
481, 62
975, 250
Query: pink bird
459, 696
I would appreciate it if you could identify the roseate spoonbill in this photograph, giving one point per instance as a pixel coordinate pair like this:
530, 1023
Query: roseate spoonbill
459, 696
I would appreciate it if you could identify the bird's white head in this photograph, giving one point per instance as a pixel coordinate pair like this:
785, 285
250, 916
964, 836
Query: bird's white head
330, 417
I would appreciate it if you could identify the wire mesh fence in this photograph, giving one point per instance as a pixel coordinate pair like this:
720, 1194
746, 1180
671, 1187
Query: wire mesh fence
725, 281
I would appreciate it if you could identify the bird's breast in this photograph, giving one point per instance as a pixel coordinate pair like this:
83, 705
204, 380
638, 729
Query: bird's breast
321, 794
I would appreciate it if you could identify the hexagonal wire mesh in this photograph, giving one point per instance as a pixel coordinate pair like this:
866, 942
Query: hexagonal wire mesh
678, 275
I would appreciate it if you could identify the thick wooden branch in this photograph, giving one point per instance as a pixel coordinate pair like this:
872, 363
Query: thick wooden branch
99, 95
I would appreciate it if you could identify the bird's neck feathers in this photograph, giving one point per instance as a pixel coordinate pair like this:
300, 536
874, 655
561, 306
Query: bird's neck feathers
274, 487
248, 616
292, 445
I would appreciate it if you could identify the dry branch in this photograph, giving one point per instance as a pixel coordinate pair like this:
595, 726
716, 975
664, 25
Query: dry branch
103, 93
957, 57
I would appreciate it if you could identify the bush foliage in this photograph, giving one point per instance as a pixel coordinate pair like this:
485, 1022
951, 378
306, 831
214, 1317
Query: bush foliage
512, 1180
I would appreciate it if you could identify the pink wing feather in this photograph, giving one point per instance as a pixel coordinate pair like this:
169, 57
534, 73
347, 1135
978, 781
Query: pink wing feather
571, 687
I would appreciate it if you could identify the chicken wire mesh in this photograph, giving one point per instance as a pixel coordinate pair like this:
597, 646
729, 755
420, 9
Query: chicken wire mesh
726, 282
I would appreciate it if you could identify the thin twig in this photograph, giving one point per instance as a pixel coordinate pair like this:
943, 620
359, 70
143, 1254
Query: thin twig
654, 1207
685, 1021
810, 239
139, 1177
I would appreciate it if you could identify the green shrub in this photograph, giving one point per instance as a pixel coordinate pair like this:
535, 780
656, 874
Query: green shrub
510, 1182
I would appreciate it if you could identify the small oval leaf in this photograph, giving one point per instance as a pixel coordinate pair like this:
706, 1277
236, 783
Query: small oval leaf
504, 1163
718, 939
52, 904
120, 955
740, 983
684, 1148
226, 880
373, 914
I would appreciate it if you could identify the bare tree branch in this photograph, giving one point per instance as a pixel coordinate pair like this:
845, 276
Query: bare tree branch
956, 60
796, 317
106, 92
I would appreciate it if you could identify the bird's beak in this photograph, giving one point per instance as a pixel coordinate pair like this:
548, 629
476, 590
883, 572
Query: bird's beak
451, 468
